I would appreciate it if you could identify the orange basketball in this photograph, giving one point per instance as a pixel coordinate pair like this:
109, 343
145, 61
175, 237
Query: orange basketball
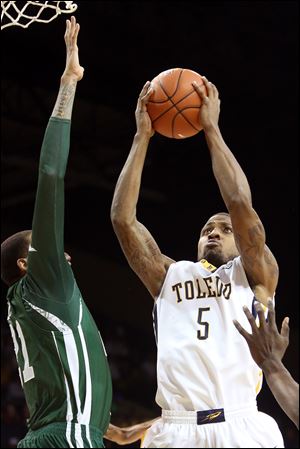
174, 105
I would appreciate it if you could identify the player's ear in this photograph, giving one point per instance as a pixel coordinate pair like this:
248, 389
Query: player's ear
22, 264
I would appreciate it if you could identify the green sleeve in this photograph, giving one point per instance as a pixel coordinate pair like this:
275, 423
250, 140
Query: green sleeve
49, 275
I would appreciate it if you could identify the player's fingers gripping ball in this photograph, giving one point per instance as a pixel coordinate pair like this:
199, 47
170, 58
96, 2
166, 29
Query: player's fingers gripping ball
174, 105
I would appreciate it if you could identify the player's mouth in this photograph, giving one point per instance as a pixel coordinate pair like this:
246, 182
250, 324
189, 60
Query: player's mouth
213, 243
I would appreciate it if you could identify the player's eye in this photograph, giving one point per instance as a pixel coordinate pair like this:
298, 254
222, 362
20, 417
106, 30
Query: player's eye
228, 229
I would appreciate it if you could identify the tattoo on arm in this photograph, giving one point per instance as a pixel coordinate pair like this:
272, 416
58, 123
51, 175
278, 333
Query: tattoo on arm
142, 257
64, 103
152, 247
272, 265
253, 247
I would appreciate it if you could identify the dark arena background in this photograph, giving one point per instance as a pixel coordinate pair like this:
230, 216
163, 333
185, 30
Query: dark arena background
249, 49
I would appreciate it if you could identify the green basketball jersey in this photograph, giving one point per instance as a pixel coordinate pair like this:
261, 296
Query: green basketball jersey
62, 361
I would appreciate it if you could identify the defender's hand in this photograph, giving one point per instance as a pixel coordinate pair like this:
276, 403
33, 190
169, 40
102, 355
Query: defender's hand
265, 342
73, 70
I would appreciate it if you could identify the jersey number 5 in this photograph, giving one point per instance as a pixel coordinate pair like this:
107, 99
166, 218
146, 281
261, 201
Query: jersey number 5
203, 333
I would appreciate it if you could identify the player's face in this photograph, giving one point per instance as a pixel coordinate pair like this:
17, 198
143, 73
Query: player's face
216, 243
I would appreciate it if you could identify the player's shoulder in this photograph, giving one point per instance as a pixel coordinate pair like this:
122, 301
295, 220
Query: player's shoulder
177, 267
15, 290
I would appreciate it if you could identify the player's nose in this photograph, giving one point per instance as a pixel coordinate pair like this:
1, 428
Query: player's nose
214, 234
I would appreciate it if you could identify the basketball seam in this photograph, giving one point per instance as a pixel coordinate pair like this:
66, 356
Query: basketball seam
167, 95
174, 105
176, 88
180, 112
169, 98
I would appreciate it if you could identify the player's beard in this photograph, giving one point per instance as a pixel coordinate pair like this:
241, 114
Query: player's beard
215, 256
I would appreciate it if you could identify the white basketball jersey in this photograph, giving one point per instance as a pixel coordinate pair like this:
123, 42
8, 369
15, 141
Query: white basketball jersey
202, 361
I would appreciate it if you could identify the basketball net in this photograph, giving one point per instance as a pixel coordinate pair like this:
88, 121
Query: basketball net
22, 14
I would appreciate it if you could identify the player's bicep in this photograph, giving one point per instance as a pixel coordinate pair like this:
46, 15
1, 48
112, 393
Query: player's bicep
259, 263
143, 255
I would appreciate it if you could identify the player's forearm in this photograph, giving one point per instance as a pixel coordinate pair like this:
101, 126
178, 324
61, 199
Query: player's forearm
55, 148
133, 433
283, 387
127, 435
65, 99
127, 190
137, 431
230, 177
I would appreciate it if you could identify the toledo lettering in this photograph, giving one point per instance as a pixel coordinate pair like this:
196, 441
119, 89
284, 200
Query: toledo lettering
209, 287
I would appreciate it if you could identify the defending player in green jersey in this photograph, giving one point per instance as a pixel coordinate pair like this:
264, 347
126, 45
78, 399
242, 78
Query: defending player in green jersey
61, 358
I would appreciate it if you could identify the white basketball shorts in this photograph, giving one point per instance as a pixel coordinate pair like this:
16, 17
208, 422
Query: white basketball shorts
240, 428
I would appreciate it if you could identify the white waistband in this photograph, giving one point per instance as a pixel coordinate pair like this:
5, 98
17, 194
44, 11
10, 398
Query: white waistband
190, 417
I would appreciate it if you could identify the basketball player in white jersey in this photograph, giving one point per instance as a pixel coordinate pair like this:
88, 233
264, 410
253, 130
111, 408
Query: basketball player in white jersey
207, 379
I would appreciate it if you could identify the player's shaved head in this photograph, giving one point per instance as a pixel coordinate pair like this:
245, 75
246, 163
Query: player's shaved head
13, 248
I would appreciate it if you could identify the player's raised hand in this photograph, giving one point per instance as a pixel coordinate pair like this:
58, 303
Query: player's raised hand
143, 121
210, 107
73, 70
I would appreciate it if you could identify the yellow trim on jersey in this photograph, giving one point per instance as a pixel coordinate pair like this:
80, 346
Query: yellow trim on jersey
207, 265
143, 437
265, 310
259, 383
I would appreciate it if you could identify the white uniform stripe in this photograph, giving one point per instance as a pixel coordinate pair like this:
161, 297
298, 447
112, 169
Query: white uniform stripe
28, 371
16, 348
73, 361
78, 436
86, 415
15, 341
24, 348
102, 344
80, 313
88, 435
69, 415
53, 319
9, 311
68, 434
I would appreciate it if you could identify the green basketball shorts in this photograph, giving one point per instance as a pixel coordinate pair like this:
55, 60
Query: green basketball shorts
60, 435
